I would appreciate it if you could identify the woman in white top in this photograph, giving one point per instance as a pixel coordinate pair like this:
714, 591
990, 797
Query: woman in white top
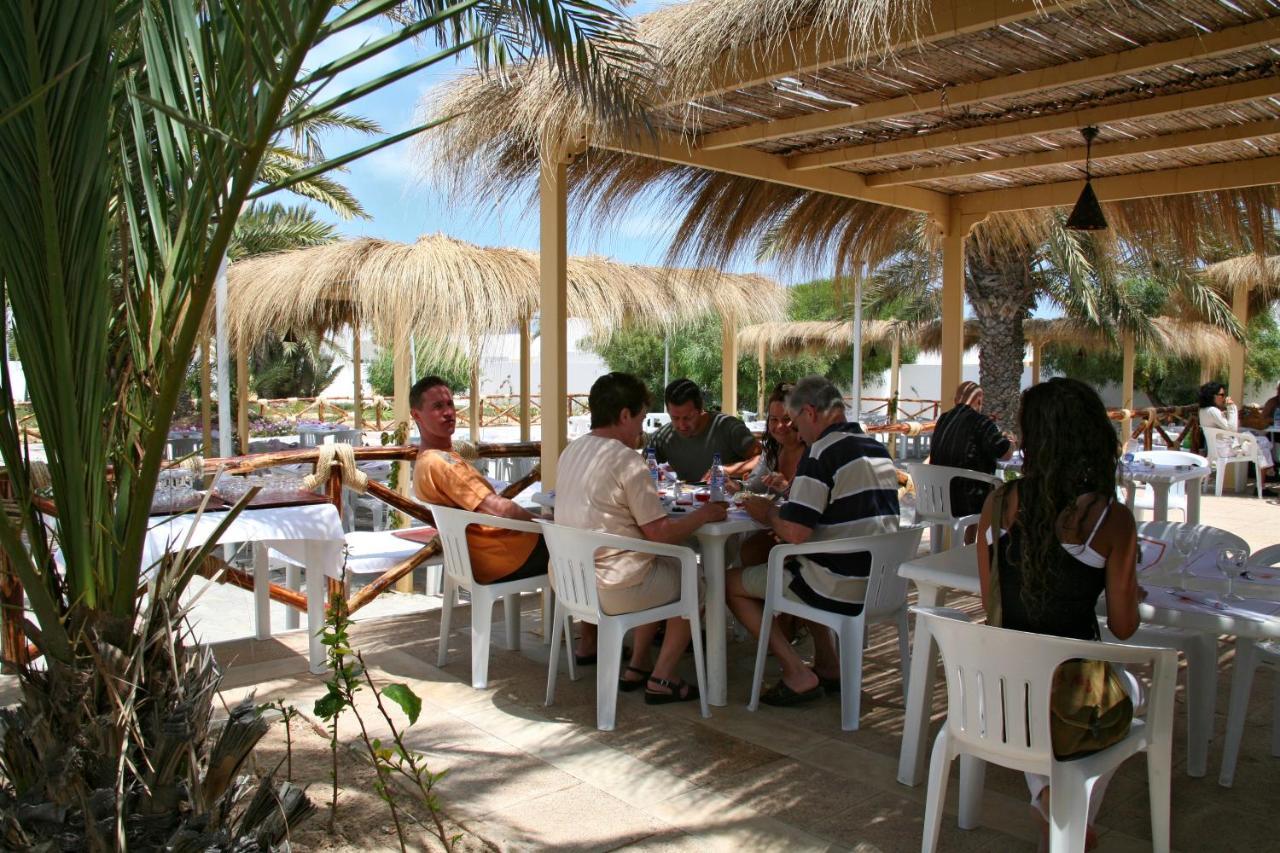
1218, 411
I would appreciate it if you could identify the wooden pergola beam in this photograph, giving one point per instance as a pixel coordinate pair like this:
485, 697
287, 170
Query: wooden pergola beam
1218, 96
956, 97
812, 49
768, 167
1190, 179
1076, 154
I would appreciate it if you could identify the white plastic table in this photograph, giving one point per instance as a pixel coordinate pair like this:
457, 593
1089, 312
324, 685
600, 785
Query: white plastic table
712, 539
1161, 478
311, 436
309, 534
958, 569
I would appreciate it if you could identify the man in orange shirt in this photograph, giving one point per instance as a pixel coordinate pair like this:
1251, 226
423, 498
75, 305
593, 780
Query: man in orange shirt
441, 476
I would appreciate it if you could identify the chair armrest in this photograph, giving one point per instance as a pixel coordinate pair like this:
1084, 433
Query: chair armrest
512, 524
945, 612
628, 543
825, 546
968, 520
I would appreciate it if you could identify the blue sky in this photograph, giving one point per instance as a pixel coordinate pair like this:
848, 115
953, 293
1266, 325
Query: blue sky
402, 206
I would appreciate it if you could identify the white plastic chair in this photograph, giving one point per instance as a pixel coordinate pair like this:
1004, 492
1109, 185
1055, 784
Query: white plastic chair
933, 500
573, 574
886, 601
1144, 497
1232, 448
998, 685
452, 525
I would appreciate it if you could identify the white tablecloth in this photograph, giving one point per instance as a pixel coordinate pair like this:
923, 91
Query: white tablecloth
286, 529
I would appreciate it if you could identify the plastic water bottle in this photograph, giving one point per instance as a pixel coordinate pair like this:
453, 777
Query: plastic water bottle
717, 479
651, 458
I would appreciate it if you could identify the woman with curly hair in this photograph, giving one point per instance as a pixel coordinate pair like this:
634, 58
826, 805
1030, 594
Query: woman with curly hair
1062, 537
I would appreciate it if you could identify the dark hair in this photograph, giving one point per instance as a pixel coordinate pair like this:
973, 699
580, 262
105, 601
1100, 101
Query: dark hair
682, 391
612, 393
422, 386
1209, 393
771, 445
1069, 449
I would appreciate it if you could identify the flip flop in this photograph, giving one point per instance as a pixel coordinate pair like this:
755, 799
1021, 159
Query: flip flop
781, 696
628, 686
830, 685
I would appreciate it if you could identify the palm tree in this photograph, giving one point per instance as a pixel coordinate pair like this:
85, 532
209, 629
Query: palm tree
134, 134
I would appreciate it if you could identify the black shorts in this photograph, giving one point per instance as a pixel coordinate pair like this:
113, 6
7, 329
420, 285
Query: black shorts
535, 564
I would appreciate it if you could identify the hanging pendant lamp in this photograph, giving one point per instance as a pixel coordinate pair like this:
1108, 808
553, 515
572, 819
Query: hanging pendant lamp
1087, 214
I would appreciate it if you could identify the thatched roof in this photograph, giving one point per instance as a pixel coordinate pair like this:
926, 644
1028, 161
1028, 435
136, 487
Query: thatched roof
1200, 342
447, 290
808, 336
864, 112
1259, 275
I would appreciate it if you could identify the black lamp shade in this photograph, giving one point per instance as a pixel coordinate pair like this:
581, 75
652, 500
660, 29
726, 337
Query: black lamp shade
291, 338
1087, 214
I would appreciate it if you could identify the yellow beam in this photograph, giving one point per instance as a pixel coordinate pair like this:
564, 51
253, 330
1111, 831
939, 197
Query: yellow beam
401, 380
1035, 362
769, 167
206, 398
357, 378
1128, 360
957, 97
728, 366
812, 49
760, 395
526, 375
1190, 179
1217, 96
952, 312
476, 403
242, 394
553, 264
1076, 153
1235, 374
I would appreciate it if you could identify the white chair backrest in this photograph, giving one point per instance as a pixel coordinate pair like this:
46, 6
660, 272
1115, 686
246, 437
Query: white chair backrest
572, 565
886, 589
1171, 457
933, 487
1231, 446
452, 524
1206, 536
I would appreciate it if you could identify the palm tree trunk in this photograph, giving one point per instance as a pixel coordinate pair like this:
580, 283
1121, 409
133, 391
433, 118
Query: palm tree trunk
1002, 295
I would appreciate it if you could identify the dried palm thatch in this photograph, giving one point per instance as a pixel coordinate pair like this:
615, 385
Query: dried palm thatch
1171, 337
1260, 276
457, 293
816, 336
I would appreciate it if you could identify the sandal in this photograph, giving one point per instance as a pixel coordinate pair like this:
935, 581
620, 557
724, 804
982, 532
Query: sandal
830, 685
680, 691
780, 695
626, 685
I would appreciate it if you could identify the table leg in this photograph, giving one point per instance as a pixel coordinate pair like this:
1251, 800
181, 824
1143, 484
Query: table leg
293, 580
261, 592
713, 568
1160, 512
1202, 687
924, 665
1193, 501
1130, 493
1241, 683
317, 588
973, 777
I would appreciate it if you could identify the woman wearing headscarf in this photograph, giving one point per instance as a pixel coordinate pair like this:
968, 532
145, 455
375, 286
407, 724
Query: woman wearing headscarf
966, 438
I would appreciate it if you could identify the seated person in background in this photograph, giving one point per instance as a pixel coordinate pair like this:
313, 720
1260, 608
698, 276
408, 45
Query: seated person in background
845, 485
1063, 538
1269, 407
966, 438
442, 477
694, 436
603, 484
1218, 411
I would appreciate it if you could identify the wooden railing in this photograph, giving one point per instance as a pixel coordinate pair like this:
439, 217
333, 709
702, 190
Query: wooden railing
905, 408
1172, 424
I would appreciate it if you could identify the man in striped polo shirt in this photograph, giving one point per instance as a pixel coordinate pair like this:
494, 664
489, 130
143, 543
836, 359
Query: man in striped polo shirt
846, 485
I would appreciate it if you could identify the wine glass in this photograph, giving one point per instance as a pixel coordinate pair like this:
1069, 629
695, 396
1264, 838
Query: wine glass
1185, 539
1232, 562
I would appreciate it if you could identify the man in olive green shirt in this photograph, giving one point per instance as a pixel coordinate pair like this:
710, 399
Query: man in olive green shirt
695, 435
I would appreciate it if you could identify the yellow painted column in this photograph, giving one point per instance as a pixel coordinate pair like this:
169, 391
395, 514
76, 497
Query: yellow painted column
553, 263
206, 397
357, 378
526, 379
952, 312
477, 404
728, 366
1035, 362
1126, 385
760, 395
242, 395
401, 381
895, 371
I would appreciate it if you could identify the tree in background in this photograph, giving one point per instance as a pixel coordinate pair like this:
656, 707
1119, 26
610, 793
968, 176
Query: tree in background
456, 371
293, 368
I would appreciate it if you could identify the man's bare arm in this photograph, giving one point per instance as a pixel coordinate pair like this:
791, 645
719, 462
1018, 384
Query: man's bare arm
504, 508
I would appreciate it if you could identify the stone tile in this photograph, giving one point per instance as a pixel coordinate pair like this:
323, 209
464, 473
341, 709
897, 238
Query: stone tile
578, 819
721, 824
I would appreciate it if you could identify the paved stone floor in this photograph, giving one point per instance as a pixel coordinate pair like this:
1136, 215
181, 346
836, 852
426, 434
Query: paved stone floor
524, 776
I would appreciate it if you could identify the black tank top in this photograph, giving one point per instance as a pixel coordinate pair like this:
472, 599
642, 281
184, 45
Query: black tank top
1071, 598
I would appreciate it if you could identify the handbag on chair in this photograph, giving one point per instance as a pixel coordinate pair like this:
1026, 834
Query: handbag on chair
1089, 709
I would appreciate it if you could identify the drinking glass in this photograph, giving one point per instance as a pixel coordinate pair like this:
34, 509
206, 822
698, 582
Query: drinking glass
1232, 562
1185, 539
674, 479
